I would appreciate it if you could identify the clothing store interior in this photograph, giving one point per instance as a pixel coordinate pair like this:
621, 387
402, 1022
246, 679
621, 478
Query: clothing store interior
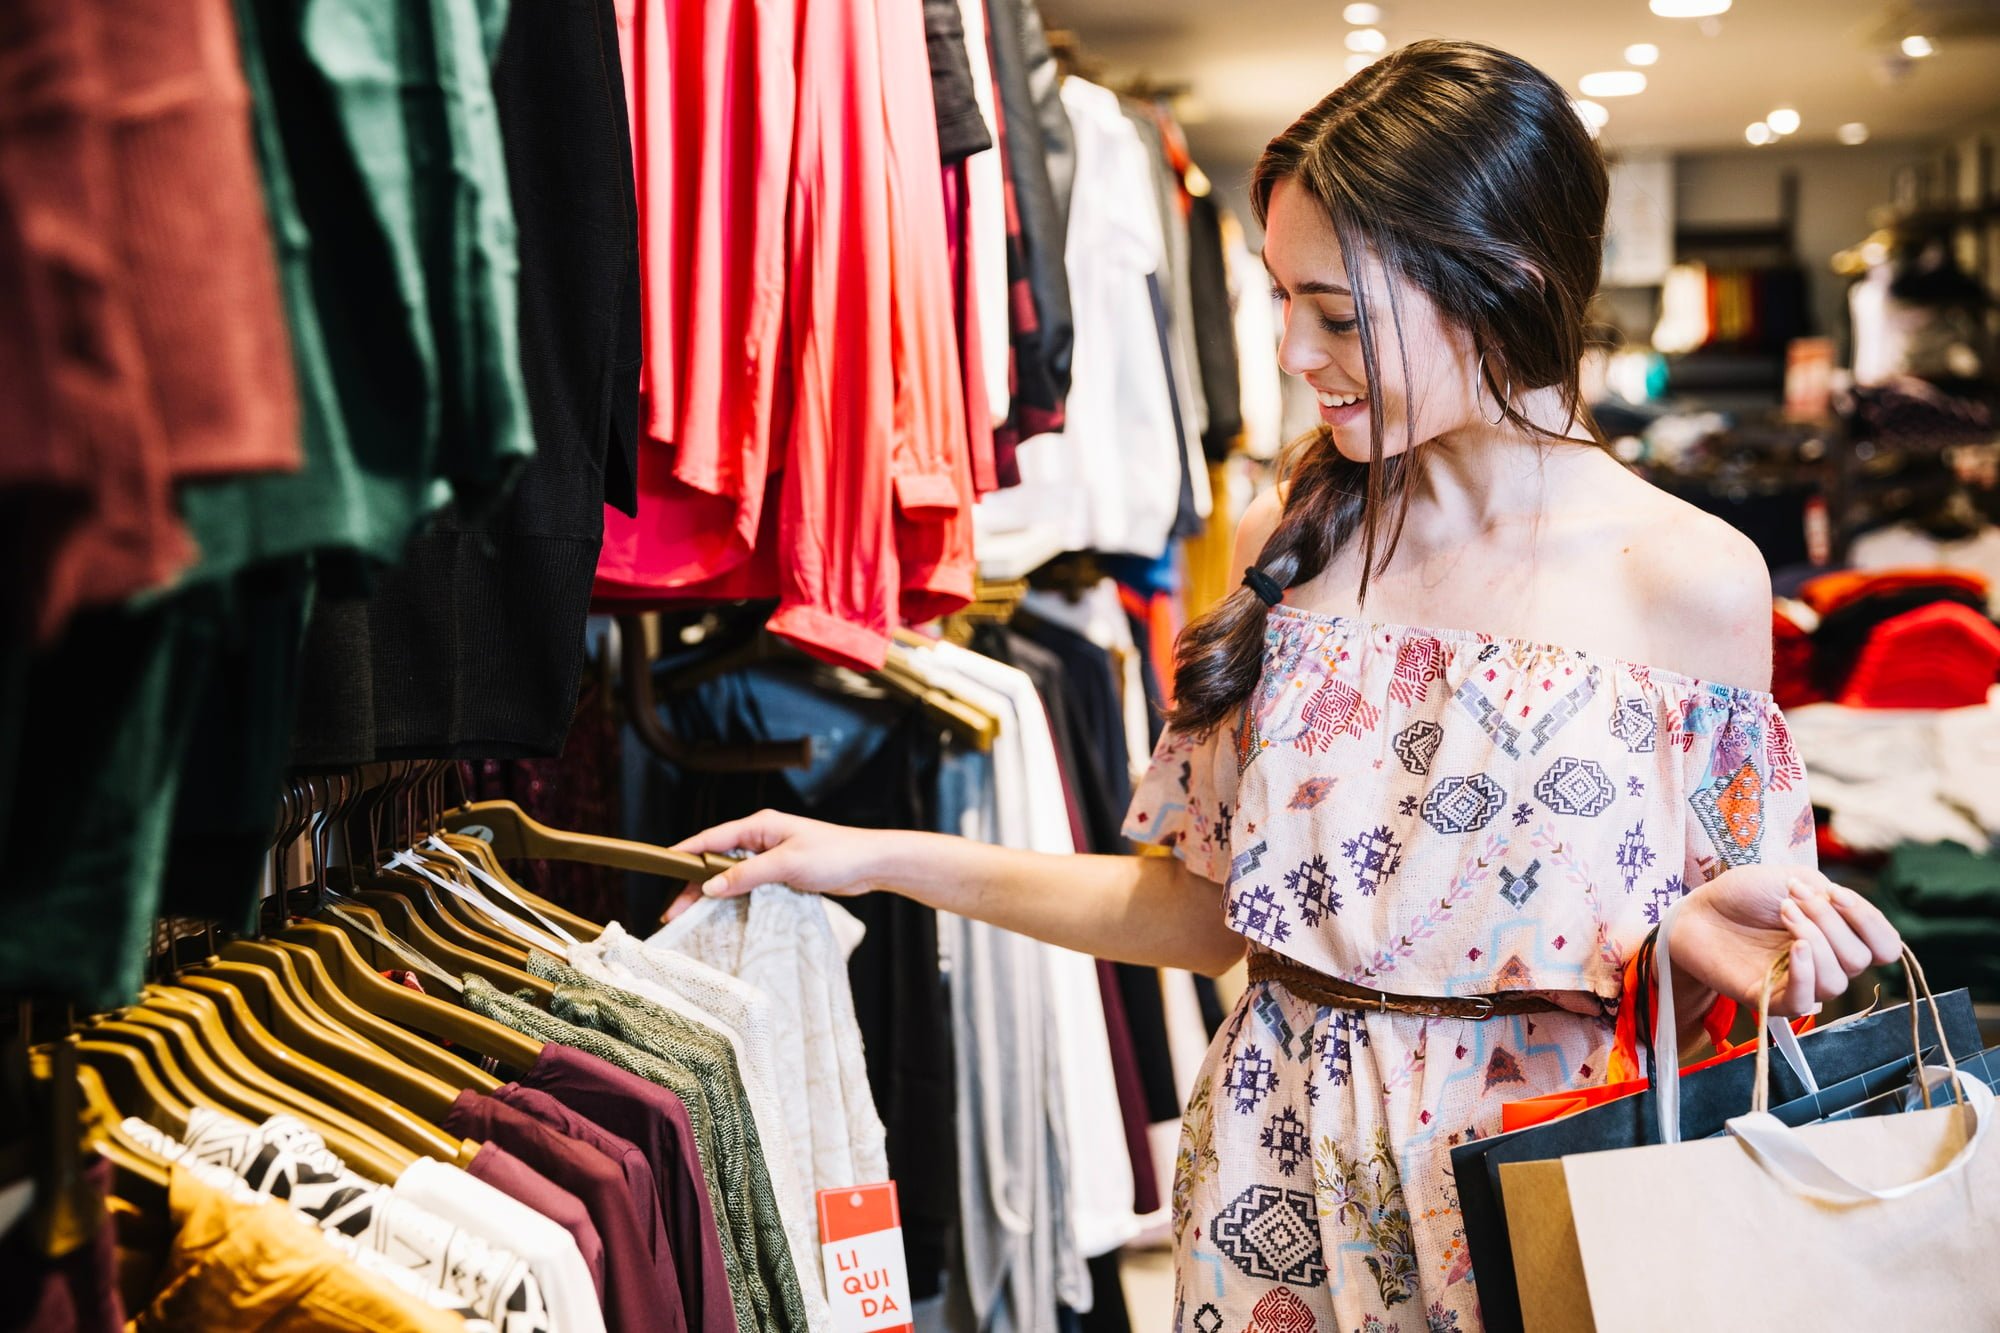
545, 432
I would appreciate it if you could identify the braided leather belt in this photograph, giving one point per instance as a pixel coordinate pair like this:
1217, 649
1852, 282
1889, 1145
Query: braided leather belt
1318, 988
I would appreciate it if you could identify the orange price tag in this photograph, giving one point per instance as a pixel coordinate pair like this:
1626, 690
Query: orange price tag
861, 1244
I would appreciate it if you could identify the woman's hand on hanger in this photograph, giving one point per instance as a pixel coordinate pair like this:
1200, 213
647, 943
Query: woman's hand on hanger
1730, 929
806, 854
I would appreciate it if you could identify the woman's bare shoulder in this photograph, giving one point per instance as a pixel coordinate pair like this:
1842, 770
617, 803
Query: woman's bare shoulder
1702, 588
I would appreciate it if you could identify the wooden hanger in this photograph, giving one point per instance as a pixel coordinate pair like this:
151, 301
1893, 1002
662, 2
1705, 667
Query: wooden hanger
162, 1040
549, 914
511, 834
305, 1085
217, 1086
642, 712
132, 1085
309, 976
970, 722
193, 1024
412, 1104
471, 918
303, 1063
505, 947
346, 967
475, 874
159, 1053
429, 904
142, 1174
401, 918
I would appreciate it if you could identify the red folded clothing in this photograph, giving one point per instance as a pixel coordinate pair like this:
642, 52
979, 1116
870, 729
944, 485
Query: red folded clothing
1791, 664
1830, 592
1939, 656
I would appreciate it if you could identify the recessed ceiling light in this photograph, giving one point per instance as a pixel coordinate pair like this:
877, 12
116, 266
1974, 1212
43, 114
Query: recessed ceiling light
1613, 83
1358, 62
1593, 114
1689, 9
1643, 53
1362, 16
1368, 41
1916, 47
1784, 120
1760, 134
1853, 133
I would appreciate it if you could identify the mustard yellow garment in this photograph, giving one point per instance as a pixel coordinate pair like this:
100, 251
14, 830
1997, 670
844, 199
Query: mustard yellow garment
1211, 574
256, 1268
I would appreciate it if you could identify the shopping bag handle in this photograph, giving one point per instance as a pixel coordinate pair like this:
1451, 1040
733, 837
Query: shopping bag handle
1666, 1073
1783, 1152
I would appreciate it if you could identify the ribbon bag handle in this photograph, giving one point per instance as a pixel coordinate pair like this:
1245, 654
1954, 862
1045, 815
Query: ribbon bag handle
1664, 1064
1783, 1152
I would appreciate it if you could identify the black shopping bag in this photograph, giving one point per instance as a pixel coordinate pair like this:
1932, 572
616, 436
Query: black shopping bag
1907, 1097
1841, 1098
1840, 1051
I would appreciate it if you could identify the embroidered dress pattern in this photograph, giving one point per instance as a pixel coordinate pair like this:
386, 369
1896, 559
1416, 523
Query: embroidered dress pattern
1431, 812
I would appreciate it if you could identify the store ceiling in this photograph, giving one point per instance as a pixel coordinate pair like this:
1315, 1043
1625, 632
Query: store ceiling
1250, 66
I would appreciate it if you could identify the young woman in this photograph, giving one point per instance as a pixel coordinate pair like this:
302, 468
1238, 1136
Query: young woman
1486, 704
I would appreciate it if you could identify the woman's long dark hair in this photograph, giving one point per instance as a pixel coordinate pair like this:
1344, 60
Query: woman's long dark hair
1466, 172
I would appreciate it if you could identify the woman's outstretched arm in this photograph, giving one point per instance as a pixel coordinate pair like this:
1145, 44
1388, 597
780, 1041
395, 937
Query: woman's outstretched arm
1149, 910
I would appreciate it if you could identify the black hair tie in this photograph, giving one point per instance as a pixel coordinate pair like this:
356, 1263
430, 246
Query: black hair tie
1266, 587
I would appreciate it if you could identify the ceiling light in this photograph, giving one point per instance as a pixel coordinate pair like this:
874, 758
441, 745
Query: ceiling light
1368, 41
1613, 83
1853, 133
1689, 9
1644, 53
1362, 16
1593, 114
1784, 120
1358, 62
1760, 134
1917, 47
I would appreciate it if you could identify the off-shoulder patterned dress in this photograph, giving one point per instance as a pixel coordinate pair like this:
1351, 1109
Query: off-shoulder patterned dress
1427, 812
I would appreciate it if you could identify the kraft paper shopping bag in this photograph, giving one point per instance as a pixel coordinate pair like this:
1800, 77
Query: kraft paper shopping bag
1873, 1223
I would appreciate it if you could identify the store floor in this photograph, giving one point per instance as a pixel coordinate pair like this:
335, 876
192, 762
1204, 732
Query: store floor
1149, 1288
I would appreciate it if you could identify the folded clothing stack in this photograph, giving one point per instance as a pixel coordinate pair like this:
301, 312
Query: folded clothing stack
1945, 899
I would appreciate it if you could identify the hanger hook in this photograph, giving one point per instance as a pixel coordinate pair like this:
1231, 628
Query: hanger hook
351, 799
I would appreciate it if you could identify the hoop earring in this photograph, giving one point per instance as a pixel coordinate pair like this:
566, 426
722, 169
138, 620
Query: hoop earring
1501, 403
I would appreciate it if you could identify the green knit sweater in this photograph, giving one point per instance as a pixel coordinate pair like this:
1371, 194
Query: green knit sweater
673, 1037
517, 1013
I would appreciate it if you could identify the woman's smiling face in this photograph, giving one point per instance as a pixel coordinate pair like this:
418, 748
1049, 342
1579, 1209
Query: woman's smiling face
1427, 367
